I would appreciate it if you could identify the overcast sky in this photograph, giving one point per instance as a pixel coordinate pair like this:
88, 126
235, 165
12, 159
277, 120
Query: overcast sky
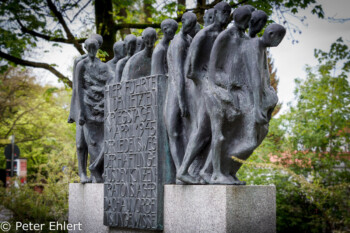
289, 59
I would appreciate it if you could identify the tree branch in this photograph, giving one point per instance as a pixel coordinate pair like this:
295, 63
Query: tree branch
120, 26
18, 118
46, 66
81, 9
136, 25
70, 36
46, 37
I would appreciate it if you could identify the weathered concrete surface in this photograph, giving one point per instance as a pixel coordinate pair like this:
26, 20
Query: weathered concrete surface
219, 208
86, 207
188, 208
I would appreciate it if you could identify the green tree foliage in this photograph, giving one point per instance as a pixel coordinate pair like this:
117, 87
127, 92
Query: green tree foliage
36, 115
306, 153
24, 23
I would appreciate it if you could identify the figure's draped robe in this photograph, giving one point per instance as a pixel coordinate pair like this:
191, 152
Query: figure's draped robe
240, 67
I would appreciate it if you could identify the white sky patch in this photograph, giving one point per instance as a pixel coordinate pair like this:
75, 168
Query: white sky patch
290, 59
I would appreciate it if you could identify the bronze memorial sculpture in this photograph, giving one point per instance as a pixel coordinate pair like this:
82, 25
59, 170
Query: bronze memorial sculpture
209, 17
175, 105
139, 65
130, 47
81, 143
196, 69
159, 59
178, 113
139, 44
119, 53
91, 75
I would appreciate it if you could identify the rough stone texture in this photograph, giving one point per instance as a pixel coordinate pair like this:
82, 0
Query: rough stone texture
220, 208
188, 208
86, 207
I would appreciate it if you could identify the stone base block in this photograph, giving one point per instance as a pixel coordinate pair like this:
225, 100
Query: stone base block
188, 208
86, 207
219, 208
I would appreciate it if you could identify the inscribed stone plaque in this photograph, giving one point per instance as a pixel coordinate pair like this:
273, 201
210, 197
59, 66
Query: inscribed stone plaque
136, 160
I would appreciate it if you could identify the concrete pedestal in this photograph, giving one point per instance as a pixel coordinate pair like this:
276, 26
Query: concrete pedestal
220, 208
188, 208
86, 207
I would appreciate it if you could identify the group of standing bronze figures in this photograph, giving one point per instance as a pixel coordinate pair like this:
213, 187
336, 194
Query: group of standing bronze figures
219, 98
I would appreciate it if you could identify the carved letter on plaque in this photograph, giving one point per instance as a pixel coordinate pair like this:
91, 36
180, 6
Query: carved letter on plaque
135, 154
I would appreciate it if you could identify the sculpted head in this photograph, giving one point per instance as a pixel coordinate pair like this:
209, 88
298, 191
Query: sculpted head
273, 35
257, 22
189, 21
139, 44
209, 17
169, 27
195, 30
250, 8
119, 49
130, 44
149, 36
242, 16
99, 39
91, 45
222, 13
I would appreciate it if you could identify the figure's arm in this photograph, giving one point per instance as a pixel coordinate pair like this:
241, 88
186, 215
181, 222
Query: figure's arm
192, 58
79, 74
125, 73
72, 111
119, 70
156, 59
218, 58
76, 61
109, 74
179, 53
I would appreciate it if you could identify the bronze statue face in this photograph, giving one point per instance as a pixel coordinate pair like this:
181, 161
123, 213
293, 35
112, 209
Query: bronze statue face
273, 35
222, 12
242, 16
187, 25
99, 39
119, 48
169, 31
257, 22
139, 44
169, 27
222, 16
189, 21
130, 44
209, 17
149, 37
91, 45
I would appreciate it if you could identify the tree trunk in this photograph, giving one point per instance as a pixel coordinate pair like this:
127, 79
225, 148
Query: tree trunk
147, 4
201, 4
105, 25
125, 31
